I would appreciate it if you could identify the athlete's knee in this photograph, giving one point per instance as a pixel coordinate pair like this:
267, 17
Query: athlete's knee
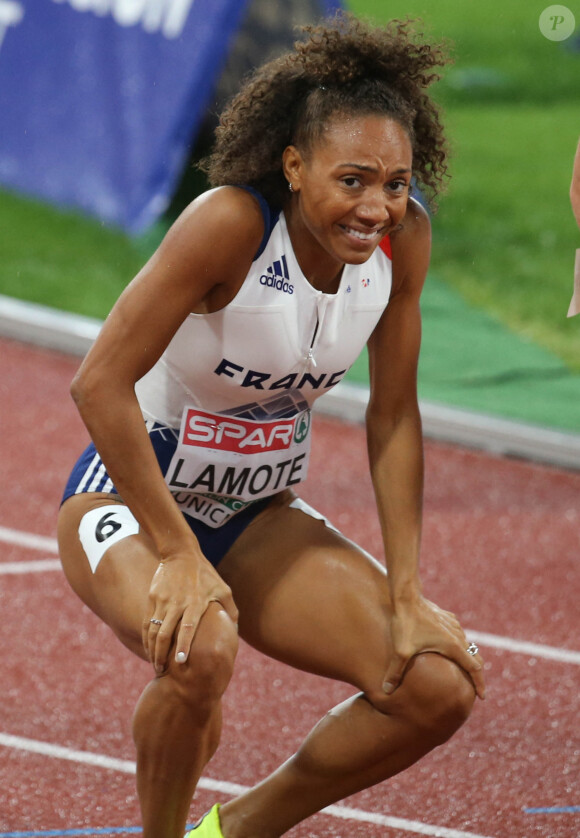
436, 696
444, 693
202, 679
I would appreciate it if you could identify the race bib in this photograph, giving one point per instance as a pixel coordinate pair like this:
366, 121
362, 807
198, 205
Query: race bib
223, 463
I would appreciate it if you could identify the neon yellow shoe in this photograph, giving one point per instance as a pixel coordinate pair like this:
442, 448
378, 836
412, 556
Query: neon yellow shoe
208, 826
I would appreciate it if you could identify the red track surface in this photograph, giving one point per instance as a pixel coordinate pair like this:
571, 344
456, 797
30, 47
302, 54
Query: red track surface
501, 548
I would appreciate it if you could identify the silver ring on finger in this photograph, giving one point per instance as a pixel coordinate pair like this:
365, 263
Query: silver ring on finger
156, 622
472, 649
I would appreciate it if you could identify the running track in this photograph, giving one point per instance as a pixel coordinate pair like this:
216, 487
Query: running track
501, 547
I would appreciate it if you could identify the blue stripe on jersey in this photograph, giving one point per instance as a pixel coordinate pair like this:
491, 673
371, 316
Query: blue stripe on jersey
270, 218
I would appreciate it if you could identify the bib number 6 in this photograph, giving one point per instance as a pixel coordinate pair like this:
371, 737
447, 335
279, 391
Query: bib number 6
107, 527
103, 527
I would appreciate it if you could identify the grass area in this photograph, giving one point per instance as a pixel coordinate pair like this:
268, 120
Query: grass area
504, 236
497, 46
61, 259
498, 49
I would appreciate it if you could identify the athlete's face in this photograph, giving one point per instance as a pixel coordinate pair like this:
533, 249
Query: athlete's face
350, 190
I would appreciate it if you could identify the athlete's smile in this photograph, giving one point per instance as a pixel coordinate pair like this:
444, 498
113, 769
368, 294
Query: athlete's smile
364, 235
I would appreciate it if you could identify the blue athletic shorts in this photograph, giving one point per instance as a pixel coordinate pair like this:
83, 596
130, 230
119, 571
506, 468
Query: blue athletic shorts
89, 475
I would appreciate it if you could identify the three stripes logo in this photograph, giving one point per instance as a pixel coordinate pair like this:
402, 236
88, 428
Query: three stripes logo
277, 276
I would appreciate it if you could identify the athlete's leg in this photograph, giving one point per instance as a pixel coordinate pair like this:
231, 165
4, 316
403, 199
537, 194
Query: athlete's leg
310, 598
177, 722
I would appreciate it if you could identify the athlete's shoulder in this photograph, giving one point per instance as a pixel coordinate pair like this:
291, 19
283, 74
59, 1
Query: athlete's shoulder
411, 248
414, 232
215, 225
215, 240
415, 225
228, 211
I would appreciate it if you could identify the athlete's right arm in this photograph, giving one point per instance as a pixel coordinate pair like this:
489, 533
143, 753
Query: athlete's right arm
199, 266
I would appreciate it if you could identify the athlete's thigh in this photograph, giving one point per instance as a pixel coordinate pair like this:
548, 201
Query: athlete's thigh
111, 576
311, 598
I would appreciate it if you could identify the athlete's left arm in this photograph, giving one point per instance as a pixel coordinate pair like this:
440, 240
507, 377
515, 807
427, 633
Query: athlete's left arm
396, 459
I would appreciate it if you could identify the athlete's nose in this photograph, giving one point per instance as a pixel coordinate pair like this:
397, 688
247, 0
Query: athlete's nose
373, 209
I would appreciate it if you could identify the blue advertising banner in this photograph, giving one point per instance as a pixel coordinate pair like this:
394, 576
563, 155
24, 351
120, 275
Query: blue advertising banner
99, 99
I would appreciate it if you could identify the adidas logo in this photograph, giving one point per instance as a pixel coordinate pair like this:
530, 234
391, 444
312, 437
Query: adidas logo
277, 276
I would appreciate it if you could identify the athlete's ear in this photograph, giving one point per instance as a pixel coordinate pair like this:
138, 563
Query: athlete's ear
293, 166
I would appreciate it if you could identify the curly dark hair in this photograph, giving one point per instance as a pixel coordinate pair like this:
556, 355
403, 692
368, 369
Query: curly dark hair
345, 67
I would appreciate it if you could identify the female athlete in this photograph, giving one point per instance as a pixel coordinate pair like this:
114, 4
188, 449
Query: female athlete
181, 524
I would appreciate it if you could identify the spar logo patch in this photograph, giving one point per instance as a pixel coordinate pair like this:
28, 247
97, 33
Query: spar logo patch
242, 436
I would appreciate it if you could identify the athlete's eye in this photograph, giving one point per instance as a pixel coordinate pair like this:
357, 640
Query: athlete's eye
351, 181
397, 186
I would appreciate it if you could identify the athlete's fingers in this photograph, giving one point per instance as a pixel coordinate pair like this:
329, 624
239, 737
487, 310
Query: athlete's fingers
145, 635
395, 672
150, 628
184, 640
470, 662
188, 629
162, 642
448, 618
478, 682
473, 665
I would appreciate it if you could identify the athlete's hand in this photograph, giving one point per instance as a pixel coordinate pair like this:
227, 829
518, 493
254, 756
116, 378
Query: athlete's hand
181, 590
421, 626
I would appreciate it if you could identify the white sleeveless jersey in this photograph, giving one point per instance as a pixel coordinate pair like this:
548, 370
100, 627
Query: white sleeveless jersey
239, 383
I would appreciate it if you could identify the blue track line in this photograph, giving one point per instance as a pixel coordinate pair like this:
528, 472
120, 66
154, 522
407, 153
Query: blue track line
71, 833
547, 810
68, 833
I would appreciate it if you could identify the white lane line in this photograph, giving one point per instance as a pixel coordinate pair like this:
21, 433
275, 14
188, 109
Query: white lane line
494, 641
26, 539
128, 767
32, 542
535, 650
39, 566
34, 746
